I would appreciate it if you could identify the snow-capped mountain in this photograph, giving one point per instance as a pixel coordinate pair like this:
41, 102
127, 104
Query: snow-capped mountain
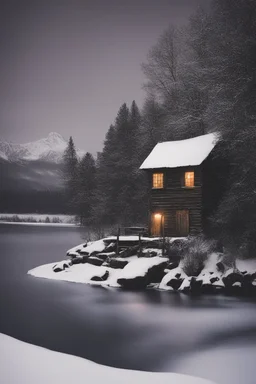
49, 149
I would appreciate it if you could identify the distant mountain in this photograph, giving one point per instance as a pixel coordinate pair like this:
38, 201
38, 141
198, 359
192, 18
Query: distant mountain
34, 166
49, 149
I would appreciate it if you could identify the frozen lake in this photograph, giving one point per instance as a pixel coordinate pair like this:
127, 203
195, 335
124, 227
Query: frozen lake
211, 337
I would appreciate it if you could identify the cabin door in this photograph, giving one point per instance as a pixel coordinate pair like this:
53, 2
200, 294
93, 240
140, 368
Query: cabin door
157, 223
182, 222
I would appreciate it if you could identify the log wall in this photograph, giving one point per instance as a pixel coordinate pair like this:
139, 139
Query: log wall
174, 197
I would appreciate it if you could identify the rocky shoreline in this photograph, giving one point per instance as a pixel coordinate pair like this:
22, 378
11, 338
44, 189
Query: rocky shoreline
141, 266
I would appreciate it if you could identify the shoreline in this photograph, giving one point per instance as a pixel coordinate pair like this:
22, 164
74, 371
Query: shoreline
33, 218
40, 224
49, 366
96, 263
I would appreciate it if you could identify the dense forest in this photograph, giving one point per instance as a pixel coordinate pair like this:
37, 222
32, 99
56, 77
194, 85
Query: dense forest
199, 78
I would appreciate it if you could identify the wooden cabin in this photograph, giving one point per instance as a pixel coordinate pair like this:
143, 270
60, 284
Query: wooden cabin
184, 186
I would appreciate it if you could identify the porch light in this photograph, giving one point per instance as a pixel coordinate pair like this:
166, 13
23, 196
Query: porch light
159, 222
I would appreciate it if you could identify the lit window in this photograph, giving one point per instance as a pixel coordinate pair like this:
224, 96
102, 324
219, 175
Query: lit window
158, 180
189, 179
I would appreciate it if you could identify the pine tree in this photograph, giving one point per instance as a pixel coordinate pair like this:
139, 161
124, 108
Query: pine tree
69, 172
127, 127
106, 194
117, 173
85, 198
135, 122
136, 199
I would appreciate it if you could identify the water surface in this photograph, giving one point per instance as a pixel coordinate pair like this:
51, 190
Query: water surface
211, 336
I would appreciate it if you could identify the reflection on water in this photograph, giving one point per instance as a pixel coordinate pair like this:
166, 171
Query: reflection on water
212, 337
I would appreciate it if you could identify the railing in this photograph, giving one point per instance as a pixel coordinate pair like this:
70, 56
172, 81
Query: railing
135, 231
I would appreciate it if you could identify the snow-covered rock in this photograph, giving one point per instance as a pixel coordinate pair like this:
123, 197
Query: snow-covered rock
93, 247
100, 277
141, 266
75, 251
232, 276
206, 280
210, 278
185, 286
61, 266
173, 279
117, 263
79, 259
218, 285
141, 272
94, 260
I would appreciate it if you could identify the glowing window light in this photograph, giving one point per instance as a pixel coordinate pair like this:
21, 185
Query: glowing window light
158, 180
189, 179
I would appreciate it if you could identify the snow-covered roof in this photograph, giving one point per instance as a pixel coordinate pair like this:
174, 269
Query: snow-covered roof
172, 154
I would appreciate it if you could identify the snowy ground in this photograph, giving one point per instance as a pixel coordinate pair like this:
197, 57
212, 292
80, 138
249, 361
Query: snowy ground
22, 363
83, 273
220, 361
35, 218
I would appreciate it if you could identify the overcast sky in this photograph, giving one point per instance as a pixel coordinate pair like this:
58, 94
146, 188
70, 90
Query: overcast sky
68, 65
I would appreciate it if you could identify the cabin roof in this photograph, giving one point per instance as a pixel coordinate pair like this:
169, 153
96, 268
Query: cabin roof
172, 154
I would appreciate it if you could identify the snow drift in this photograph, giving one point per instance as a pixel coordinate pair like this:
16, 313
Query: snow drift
24, 363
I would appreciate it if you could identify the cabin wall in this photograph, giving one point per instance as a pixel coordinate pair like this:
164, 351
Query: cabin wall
174, 197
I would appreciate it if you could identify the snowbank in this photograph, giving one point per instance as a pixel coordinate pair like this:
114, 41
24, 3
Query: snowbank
86, 273
80, 273
25, 363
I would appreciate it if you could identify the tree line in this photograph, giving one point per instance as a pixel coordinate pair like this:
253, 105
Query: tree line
24, 201
109, 190
199, 78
